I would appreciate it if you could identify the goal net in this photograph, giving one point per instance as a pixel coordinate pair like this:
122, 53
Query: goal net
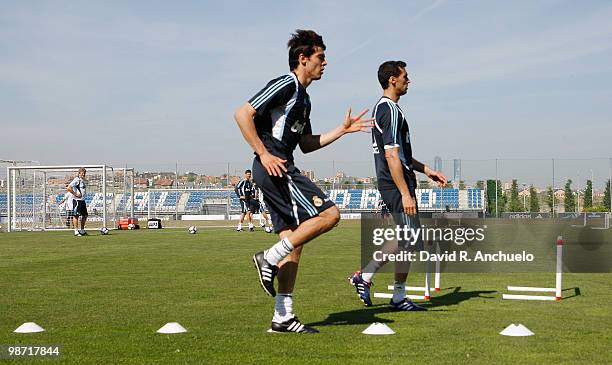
35, 196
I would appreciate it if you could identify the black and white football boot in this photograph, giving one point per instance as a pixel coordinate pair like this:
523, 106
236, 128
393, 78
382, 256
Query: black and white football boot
406, 305
293, 325
266, 272
362, 288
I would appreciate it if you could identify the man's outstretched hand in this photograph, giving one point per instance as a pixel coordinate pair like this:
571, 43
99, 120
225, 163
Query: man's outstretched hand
356, 124
437, 177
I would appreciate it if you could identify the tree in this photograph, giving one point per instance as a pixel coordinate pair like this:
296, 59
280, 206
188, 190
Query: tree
461, 185
501, 198
550, 194
480, 184
534, 203
588, 195
424, 184
606, 197
515, 203
502, 201
570, 202
490, 197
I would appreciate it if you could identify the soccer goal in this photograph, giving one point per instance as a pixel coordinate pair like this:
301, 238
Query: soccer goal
597, 220
35, 196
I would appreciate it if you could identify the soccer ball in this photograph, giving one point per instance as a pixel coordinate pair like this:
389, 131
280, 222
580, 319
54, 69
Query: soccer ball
104, 231
131, 226
193, 230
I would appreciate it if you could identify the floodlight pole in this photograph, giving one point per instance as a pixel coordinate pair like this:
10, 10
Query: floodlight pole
553, 187
176, 186
8, 199
496, 210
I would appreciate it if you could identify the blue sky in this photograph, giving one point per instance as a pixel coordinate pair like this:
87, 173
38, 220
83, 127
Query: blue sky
151, 83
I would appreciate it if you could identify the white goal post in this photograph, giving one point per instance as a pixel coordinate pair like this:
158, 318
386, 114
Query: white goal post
35, 193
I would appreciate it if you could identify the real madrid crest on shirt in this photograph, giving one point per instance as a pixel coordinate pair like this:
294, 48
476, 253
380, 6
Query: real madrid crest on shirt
317, 201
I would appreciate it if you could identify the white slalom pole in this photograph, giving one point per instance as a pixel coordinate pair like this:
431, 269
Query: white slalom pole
426, 289
558, 289
559, 275
427, 294
437, 273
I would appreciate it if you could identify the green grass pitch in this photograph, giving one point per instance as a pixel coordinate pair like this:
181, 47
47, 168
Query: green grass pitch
102, 298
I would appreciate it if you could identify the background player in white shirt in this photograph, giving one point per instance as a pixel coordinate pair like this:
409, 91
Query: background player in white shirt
78, 188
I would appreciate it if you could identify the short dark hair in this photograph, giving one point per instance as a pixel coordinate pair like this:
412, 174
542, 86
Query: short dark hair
247, 172
303, 42
389, 69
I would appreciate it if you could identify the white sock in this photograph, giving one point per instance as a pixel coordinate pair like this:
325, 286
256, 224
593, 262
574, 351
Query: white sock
399, 292
270, 222
283, 308
239, 225
279, 251
250, 225
367, 276
368, 272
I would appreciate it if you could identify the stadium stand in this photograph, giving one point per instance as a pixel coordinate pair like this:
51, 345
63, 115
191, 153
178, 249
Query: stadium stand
192, 202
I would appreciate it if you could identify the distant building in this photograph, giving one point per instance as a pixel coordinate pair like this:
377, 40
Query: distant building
163, 183
369, 180
456, 170
309, 174
141, 183
438, 163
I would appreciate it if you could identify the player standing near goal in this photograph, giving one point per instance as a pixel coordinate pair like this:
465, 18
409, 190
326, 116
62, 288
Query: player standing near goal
78, 188
274, 122
397, 182
244, 188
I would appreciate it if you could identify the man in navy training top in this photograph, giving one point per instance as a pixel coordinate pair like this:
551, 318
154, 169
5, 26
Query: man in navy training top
274, 122
397, 182
244, 189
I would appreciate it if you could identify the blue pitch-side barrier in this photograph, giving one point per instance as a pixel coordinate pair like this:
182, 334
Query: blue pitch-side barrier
345, 199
